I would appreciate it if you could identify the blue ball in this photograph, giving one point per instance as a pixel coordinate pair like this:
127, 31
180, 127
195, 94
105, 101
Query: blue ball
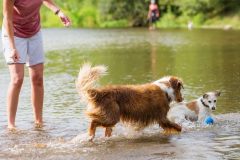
209, 120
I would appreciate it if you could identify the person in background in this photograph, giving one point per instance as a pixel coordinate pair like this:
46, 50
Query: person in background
22, 44
153, 14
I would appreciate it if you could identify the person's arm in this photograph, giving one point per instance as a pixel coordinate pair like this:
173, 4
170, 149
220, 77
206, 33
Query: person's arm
158, 14
53, 7
8, 25
149, 12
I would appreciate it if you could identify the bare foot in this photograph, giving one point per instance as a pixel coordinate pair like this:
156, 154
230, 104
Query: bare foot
38, 125
12, 128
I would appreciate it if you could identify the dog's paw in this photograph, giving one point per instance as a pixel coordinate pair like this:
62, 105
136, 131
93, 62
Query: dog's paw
90, 138
170, 131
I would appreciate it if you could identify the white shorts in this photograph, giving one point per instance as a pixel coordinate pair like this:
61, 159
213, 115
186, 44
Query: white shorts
30, 49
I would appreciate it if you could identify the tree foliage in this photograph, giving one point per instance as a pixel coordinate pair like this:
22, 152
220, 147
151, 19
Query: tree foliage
126, 13
135, 12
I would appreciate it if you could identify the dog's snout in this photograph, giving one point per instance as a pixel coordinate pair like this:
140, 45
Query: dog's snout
213, 108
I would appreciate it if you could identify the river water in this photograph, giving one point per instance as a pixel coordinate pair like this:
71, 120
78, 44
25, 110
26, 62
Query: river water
206, 60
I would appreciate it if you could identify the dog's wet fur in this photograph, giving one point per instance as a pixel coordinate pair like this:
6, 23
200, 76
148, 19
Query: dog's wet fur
140, 104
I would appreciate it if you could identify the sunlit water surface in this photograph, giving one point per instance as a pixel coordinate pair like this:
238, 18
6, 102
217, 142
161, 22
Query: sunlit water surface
206, 60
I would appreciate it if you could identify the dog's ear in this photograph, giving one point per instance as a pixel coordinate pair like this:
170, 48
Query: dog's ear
205, 95
176, 83
217, 93
173, 82
180, 84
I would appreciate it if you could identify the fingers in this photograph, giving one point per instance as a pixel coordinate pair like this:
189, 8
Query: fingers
65, 20
68, 24
15, 56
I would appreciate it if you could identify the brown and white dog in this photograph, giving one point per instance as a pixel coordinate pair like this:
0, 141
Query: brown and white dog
196, 110
141, 104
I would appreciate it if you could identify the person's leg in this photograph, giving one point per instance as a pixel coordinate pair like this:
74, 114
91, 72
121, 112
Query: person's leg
150, 24
37, 91
154, 26
36, 67
17, 76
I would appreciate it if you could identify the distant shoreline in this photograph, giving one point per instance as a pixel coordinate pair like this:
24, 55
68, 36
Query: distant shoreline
225, 23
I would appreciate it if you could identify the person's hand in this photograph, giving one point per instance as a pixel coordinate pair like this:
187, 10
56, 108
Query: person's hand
14, 55
65, 20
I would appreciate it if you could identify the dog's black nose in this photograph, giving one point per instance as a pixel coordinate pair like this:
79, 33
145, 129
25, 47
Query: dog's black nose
213, 108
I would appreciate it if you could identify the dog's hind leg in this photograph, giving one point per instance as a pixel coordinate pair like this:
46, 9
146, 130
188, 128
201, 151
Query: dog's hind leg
108, 131
111, 117
169, 127
92, 130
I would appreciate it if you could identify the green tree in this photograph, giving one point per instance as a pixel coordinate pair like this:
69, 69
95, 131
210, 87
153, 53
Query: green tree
128, 13
135, 12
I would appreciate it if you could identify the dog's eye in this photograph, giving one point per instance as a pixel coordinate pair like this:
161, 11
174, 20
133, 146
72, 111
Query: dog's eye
209, 101
215, 101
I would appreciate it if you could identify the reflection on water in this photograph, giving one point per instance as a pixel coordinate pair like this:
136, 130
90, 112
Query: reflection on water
205, 59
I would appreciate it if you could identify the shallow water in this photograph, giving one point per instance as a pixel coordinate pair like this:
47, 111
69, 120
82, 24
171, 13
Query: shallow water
205, 59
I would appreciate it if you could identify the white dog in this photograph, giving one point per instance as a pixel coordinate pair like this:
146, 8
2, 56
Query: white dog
196, 110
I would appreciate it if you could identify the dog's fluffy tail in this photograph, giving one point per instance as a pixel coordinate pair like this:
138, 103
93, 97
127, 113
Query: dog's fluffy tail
87, 77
